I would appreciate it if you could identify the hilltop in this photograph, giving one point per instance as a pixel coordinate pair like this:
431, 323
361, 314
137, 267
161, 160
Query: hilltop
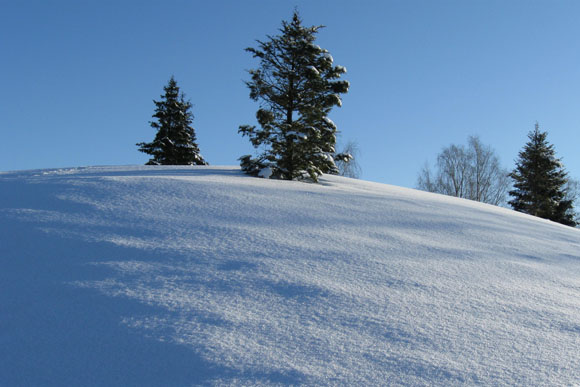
136, 276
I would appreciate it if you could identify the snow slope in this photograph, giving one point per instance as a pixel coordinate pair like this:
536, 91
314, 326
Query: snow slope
179, 276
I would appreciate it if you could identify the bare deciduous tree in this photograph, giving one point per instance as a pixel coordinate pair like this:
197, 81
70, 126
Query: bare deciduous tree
350, 167
471, 172
572, 192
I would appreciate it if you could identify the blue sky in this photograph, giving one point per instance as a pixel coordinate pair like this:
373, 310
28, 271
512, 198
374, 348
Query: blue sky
78, 77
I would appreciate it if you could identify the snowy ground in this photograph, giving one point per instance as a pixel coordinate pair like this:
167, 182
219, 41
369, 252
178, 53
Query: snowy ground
168, 276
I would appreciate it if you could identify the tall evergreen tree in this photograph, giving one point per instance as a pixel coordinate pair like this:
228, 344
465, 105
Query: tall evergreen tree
175, 141
540, 180
297, 86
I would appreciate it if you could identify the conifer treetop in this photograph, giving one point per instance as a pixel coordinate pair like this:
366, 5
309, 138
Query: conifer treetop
539, 181
296, 85
175, 142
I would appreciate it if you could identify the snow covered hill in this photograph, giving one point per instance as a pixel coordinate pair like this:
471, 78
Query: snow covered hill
179, 276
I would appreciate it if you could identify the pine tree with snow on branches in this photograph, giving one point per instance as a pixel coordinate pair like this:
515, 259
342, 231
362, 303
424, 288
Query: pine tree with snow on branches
540, 181
175, 141
297, 85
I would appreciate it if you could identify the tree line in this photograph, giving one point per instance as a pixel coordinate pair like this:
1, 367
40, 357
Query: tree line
538, 185
297, 85
471, 172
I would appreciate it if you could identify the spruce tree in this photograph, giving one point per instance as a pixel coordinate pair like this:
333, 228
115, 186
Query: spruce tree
175, 141
540, 180
297, 85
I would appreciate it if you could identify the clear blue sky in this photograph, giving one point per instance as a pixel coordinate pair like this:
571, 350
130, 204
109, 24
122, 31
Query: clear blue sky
78, 78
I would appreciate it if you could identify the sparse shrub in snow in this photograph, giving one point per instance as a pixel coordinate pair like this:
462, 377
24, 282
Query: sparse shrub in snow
297, 86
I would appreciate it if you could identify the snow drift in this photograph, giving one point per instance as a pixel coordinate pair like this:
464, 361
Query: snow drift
204, 276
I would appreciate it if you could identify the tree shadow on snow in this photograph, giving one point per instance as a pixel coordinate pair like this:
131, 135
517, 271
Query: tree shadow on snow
53, 333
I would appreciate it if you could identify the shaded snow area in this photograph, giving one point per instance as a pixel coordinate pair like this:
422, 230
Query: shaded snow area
182, 276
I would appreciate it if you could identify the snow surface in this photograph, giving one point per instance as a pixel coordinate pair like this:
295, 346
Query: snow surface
178, 276
265, 172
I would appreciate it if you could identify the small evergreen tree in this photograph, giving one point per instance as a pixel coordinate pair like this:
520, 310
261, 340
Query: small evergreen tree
297, 86
175, 141
540, 180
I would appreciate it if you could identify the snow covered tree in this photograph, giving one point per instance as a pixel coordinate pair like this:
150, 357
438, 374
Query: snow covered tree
297, 85
175, 141
473, 172
540, 181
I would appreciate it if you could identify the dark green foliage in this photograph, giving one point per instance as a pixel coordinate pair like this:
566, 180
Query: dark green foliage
539, 182
175, 141
297, 85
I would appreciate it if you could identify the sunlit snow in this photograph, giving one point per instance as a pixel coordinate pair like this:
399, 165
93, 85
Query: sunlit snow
181, 276
329, 122
313, 69
328, 57
265, 172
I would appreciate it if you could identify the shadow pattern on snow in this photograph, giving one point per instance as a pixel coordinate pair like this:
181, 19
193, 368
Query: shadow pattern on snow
184, 276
